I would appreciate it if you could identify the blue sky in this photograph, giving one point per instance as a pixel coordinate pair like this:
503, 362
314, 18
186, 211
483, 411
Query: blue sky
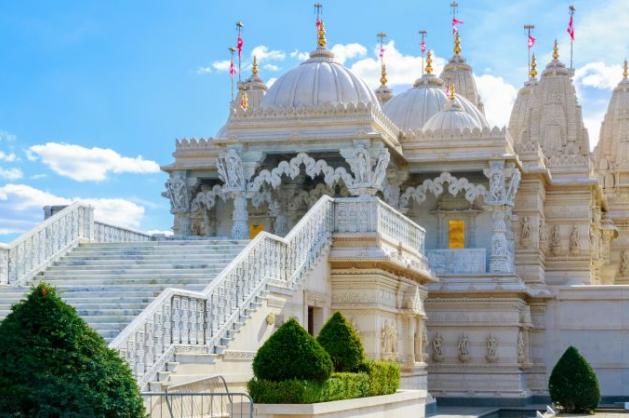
93, 93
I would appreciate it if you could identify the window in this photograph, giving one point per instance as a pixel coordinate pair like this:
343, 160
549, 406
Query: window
456, 233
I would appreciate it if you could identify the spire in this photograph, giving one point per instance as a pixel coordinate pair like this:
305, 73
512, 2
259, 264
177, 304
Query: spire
383, 93
321, 41
555, 51
452, 95
383, 75
533, 71
625, 70
457, 44
254, 67
429, 62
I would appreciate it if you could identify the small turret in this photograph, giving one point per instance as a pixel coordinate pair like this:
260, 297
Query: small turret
252, 90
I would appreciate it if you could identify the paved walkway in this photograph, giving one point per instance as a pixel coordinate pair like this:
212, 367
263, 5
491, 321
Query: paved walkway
477, 411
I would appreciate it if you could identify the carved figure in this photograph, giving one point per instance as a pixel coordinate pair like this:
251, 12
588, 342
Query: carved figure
623, 269
574, 240
177, 193
437, 348
464, 348
388, 337
492, 349
230, 170
555, 240
525, 232
522, 358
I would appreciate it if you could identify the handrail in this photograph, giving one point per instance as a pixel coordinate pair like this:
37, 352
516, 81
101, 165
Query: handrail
206, 318
33, 251
197, 404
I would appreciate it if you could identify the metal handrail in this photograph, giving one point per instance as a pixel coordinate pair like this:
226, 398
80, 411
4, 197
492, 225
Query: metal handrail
180, 405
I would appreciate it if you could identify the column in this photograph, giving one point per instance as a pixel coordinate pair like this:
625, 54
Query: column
240, 217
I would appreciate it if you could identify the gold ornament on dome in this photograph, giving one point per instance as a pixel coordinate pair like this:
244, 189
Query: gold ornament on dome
556, 51
533, 72
254, 67
429, 63
383, 75
457, 44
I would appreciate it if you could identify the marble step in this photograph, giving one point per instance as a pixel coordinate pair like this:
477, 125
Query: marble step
154, 250
79, 272
169, 243
90, 263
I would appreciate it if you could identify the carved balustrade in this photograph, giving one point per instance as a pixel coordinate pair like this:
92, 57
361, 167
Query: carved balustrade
36, 249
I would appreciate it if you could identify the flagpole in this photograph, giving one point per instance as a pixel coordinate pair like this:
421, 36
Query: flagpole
422, 47
572, 9
239, 26
528, 29
454, 5
232, 50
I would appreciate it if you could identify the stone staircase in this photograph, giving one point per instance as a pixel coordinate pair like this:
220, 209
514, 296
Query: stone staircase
111, 283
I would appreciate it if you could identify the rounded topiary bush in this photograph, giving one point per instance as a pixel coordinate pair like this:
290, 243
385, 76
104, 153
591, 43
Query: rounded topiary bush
53, 364
342, 343
292, 353
573, 383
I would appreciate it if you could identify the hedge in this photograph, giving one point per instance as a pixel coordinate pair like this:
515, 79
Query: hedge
341, 341
378, 378
573, 383
292, 353
54, 365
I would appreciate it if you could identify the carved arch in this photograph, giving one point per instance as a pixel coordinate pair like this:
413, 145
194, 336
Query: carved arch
292, 169
208, 198
435, 186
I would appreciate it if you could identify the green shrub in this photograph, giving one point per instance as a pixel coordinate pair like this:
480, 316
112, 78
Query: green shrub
342, 343
338, 386
377, 378
52, 364
384, 377
292, 353
573, 383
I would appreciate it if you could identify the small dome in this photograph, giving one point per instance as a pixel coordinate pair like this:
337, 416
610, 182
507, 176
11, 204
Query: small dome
318, 81
413, 108
454, 118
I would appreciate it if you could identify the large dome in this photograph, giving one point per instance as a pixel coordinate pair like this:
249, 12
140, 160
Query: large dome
318, 81
454, 118
412, 109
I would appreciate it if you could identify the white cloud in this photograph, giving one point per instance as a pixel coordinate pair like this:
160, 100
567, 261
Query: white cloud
10, 173
271, 81
300, 55
6, 137
204, 70
343, 52
221, 65
598, 75
89, 164
593, 124
21, 208
167, 233
271, 67
263, 53
9, 158
401, 69
498, 97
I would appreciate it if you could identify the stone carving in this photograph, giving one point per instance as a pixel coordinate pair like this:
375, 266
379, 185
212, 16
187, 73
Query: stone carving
555, 240
437, 348
206, 198
504, 181
525, 232
574, 240
177, 192
464, 348
501, 257
424, 341
492, 349
543, 235
369, 172
463, 260
436, 187
240, 218
230, 170
292, 169
388, 339
522, 352
623, 268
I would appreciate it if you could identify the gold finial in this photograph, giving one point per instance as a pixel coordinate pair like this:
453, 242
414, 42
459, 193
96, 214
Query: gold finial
533, 72
429, 62
555, 50
452, 92
254, 67
244, 100
625, 70
322, 42
457, 44
383, 75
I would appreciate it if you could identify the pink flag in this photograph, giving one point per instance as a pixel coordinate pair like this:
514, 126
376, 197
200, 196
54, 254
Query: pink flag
422, 46
318, 22
531, 41
239, 45
455, 23
570, 28
381, 53
232, 69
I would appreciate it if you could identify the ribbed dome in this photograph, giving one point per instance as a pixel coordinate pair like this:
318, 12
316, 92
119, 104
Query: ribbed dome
318, 81
413, 108
454, 118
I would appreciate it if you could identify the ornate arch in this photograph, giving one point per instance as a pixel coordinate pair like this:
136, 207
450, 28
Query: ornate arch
208, 198
436, 187
292, 169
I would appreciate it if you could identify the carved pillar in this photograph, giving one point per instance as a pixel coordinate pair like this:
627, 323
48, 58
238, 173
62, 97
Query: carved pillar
504, 180
178, 192
369, 167
240, 217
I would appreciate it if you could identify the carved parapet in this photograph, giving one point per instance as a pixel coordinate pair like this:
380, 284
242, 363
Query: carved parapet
457, 261
459, 134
